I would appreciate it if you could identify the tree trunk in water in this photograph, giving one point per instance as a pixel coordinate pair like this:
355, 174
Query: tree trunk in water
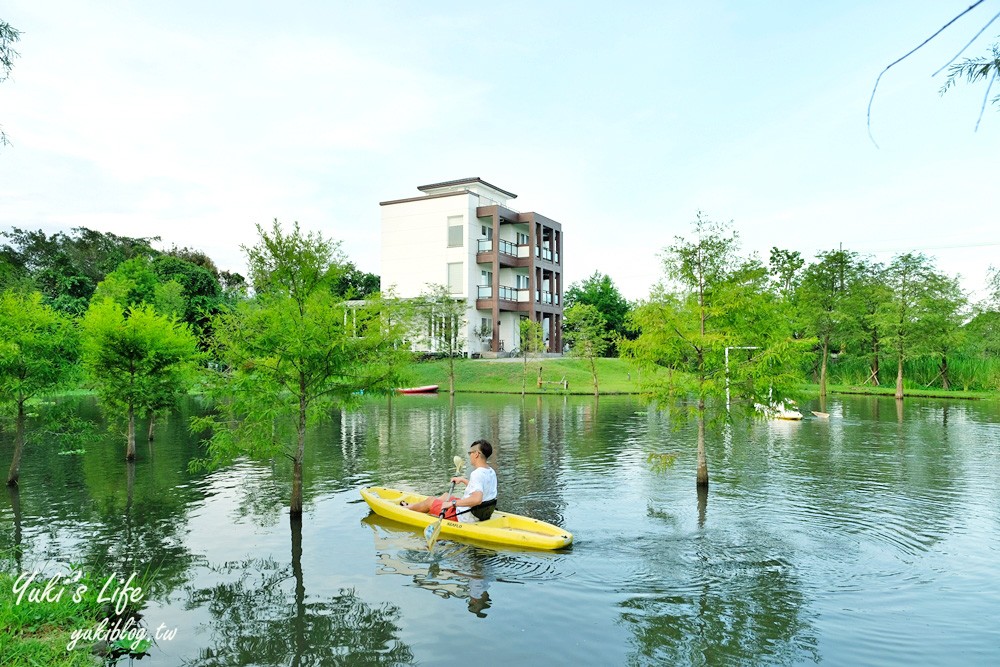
944, 373
15, 465
15, 506
130, 449
702, 504
822, 370
295, 509
702, 459
899, 378
300, 625
152, 420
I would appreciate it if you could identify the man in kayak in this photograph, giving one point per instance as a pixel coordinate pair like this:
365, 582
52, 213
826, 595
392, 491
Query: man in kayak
480, 491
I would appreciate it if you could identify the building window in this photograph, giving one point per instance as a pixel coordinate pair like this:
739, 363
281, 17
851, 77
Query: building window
455, 281
522, 239
456, 231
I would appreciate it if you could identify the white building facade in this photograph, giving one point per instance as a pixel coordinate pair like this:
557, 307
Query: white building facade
506, 265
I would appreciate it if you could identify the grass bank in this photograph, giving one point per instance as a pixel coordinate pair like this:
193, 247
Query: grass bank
890, 390
503, 376
37, 632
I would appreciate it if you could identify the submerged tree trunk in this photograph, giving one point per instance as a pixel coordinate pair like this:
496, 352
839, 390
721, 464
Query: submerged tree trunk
702, 459
295, 509
15, 465
822, 369
299, 622
130, 447
15, 507
152, 420
702, 505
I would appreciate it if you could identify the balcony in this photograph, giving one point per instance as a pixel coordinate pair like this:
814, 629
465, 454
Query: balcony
506, 293
547, 298
547, 254
504, 247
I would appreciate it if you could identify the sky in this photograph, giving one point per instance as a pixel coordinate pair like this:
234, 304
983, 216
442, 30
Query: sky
196, 121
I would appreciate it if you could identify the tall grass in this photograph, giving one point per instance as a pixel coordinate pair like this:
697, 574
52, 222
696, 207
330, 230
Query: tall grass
964, 373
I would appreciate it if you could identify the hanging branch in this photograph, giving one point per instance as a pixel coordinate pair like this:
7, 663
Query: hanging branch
910, 53
981, 31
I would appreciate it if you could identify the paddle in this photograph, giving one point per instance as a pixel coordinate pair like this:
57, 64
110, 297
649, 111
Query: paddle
432, 531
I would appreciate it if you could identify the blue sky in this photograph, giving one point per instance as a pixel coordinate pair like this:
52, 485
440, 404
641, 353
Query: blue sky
193, 121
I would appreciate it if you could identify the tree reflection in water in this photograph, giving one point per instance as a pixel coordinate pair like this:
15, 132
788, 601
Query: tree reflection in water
743, 601
251, 623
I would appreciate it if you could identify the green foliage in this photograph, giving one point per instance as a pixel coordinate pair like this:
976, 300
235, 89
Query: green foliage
9, 35
532, 339
37, 633
712, 300
439, 324
660, 462
38, 347
587, 333
531, 336
823, 302
600, 292
785, 265
174, 287
353, 283
923, 314
38, 350
138, 360
974, 70
66, 268
294, 352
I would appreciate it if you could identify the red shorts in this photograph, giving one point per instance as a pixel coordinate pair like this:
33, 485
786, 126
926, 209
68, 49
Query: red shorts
448, 513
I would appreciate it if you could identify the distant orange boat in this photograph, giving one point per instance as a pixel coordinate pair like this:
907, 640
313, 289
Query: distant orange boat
426, 389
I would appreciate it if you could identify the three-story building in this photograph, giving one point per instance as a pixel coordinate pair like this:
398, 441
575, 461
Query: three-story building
506, 265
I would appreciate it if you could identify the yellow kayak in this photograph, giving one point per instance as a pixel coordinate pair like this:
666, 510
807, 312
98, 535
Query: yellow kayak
501, 528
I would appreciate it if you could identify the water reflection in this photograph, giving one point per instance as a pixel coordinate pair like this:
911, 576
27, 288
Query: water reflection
826, 539
252, 624
734, 600
452, 571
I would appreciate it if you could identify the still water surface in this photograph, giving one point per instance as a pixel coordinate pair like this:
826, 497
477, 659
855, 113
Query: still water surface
869, 538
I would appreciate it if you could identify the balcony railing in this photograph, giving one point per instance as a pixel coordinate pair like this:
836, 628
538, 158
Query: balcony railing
506, 247
546, 254
548, 298
506, 293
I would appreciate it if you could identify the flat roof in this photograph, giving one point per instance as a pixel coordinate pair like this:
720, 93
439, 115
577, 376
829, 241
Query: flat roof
465, 181
424, 197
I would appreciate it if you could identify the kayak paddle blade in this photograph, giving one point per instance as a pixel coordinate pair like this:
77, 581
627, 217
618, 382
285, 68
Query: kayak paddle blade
431, 533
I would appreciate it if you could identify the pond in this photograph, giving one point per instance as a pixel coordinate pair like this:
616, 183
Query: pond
871, 537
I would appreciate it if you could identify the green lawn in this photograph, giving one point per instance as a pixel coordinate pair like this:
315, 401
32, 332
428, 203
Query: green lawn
614, 376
